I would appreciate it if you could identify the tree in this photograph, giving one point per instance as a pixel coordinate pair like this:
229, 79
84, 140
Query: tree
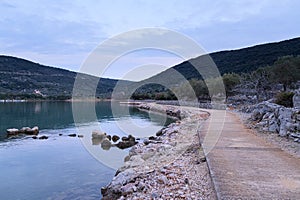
286, 70
230, 81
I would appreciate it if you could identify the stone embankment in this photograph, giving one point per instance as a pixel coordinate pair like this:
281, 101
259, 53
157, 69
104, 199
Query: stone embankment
169, 165
277, 119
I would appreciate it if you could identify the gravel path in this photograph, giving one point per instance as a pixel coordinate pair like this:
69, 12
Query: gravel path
245, 166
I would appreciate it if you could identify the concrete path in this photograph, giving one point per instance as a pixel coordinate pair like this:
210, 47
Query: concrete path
244, 166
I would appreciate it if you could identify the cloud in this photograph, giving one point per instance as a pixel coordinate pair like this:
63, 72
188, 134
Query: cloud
70, 28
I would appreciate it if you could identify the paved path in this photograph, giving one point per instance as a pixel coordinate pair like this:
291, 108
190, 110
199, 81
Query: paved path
244, 166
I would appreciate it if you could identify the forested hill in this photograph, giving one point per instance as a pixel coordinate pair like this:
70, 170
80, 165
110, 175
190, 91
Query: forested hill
238, 61
21, 78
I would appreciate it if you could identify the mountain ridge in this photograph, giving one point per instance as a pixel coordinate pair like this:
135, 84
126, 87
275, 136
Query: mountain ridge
21, 78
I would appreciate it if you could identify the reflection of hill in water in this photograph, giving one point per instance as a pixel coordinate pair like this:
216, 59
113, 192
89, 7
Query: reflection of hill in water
57, 115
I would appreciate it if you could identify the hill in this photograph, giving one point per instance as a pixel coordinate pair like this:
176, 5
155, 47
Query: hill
237, 61
20, 78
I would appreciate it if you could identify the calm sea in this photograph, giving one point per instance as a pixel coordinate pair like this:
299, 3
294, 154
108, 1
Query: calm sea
64, 167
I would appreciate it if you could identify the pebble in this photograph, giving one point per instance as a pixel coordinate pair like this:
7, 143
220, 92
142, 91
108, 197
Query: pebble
163, 170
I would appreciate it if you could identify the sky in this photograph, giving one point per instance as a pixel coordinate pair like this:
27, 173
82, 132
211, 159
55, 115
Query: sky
64, 33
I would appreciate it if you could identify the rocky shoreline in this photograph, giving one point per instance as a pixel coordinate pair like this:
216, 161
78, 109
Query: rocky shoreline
169, 165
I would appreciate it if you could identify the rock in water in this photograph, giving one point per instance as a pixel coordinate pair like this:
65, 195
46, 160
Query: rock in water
72, 135
98, 135
105, 144
12, 131
115, 138
35, 130
108, 137
44, 137
24, 130
126, 144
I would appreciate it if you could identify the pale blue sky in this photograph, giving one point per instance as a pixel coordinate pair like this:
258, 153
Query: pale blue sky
63, 33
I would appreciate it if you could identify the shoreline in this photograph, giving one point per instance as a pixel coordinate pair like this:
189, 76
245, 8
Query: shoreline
168, 165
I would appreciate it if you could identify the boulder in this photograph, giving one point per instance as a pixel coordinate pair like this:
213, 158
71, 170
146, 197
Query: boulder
96, 141
105, 144
285, 116
126, 144
24, 130
12, 131
72, 135
159, 133
35, 130
115, 138
98, 135
296, 99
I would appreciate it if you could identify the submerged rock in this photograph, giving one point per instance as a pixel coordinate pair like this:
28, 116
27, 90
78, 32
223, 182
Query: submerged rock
105, 144
44, 137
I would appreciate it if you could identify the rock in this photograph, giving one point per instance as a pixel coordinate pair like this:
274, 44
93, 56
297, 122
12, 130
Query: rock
115, 138
285, 115
108, 137
60, 134
186, 181
80, 136
105, 144
273, 127
163, 180
159, 133
113, 190
128, 188
30, 131
152, 138
12, 131
98, 135
96, 141
146, 142
34, 137
72, 135
126, 144
295, 135
296, 99
154, 195
24, 130
44, 137
127, 158
34, 130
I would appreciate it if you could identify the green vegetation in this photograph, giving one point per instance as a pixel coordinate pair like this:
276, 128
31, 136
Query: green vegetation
255, 68
261, 82
286, 70
19, 79
285, 99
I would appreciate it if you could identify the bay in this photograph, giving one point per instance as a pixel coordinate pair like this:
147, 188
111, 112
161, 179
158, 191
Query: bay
64, 167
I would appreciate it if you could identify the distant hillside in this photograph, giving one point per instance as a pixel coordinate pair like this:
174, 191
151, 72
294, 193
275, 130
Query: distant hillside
21, 78
238, 61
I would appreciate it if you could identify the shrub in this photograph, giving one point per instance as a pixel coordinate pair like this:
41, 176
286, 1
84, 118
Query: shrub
284, 99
